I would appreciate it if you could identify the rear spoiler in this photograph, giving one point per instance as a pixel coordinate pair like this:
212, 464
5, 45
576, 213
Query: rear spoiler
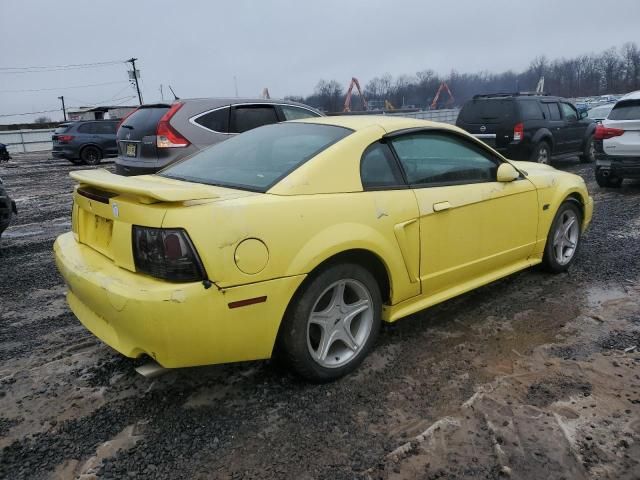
148, 189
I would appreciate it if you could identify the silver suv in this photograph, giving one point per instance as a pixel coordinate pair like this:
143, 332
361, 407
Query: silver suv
617, 143
155, 135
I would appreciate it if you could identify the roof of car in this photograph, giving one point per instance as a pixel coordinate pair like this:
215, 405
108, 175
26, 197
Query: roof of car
631, 96
388, 123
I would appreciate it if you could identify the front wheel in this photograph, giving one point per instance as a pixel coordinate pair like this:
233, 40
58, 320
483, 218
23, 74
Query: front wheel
563, 239
541, 153
332, 324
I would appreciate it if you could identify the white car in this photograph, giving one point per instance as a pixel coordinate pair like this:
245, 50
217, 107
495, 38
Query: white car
617, 143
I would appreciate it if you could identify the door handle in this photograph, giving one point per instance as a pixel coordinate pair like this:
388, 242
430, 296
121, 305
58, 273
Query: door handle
441, 206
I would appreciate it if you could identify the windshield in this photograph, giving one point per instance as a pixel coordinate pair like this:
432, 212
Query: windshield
62, 128
600, 112
626, 110
258, 159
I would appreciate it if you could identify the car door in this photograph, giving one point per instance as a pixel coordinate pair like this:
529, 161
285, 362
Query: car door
248, 116
555, 124
470, 224
573, 130
106, 131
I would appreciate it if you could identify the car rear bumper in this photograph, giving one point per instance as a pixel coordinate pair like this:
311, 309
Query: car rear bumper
65, 152
130, 171
618, 166
179, 325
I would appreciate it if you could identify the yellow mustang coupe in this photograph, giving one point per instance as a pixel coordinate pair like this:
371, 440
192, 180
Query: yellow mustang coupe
300, 238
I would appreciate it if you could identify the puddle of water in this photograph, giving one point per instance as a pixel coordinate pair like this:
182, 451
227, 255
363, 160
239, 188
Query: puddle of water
597, 295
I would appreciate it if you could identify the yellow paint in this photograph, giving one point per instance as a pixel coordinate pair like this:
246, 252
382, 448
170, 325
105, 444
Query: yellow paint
434, 243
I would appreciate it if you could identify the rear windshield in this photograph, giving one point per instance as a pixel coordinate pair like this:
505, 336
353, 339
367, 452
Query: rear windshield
258, 159
62, 128
488, 110
145, 120
626, 110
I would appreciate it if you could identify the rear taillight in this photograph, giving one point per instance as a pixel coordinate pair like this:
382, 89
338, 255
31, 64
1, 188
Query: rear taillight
65, 138
602, 132
166, 253
518, 132
166, 135
126, 116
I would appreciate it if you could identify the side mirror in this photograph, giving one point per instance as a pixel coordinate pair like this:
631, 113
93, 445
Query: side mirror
584, 114
507, 173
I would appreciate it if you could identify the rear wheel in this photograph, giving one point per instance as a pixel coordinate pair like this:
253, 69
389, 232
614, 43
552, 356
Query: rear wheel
563, 239
331, 326
608, 181
91, 155
589, 154
541, 153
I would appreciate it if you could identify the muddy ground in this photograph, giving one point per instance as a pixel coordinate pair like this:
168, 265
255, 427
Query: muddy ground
532, 377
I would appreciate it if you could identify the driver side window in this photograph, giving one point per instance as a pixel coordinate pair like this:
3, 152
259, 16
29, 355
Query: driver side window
432, 159
568, 112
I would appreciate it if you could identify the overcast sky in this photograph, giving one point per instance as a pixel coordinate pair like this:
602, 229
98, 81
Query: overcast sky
199, 46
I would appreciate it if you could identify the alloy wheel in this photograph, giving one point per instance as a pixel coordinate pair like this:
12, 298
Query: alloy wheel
340, 323
543, 155
566, 236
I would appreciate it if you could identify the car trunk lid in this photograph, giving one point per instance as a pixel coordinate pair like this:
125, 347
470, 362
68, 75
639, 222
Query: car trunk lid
490, 119
106, 206
624, 116
136, 136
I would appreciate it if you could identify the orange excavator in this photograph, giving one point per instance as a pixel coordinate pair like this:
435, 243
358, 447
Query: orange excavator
347, 99
443, 87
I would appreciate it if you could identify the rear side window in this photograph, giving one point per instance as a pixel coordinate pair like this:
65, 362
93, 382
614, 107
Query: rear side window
217, 120
626, 110
435, 159
552, 111
488, 110
86, 128
378, 168
530, 110
296, 113
145, 120
105, 128
252, 116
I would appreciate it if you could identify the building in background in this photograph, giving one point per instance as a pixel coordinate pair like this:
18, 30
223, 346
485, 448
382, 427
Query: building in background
99, 113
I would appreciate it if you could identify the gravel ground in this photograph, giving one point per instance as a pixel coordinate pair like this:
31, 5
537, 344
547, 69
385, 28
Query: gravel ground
530, 377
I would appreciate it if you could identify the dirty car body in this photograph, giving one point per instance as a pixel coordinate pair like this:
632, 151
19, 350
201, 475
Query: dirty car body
420, 212
7, 208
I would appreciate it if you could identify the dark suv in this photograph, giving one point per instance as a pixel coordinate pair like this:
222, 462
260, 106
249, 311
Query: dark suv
86, 141
153, 136
529, 126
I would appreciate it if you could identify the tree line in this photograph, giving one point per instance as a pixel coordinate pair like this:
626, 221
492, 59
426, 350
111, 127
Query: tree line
613, 71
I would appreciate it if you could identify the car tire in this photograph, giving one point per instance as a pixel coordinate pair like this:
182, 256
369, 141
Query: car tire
608, 181
541, 153
563, 240
332, 323
589, 153
91, 155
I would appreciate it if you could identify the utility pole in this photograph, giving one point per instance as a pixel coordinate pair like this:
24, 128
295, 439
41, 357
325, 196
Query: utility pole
64, 111
132, 61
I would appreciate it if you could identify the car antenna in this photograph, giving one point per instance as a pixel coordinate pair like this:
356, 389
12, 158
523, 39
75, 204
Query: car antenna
174, 93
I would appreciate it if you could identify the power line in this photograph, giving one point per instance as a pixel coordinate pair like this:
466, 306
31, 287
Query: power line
63, 88
28, 113
52, 68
